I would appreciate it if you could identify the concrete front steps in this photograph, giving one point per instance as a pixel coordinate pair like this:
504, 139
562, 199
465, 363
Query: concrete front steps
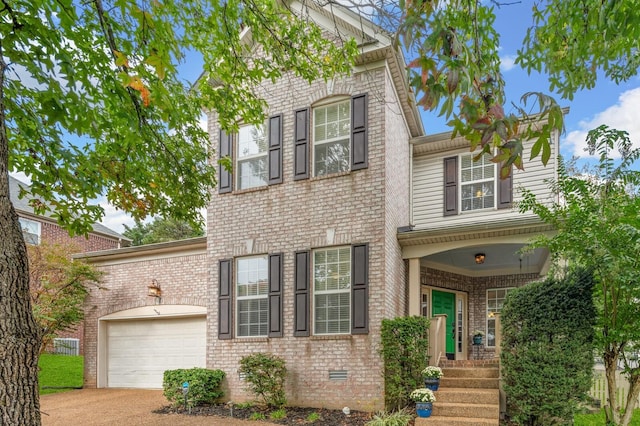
468, 395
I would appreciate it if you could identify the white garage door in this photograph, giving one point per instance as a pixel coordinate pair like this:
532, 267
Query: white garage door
139, 351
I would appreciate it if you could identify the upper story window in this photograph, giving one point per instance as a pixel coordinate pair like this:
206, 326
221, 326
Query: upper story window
470, 185
477, 182
256, 159
332, 290
252, 161
30, 231
252, 286
331, 138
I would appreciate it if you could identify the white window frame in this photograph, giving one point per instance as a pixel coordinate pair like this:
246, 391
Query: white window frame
316, 142
25, 225
317, 293
490, 311
261, 295
245, 132
482, 163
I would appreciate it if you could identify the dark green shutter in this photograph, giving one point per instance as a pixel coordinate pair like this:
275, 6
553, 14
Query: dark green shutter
275, 295
275, 149
360, 289
359, 133
301, 145
225, 149
450, 186
302, 289
225, 299
505, 191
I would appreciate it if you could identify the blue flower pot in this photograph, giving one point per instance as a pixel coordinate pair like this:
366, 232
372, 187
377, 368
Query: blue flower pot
477, 340
423, 409
431, 383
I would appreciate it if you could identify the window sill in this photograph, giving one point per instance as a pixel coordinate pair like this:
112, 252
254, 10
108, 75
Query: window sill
248, 190
250, 340
332, 337
330, 176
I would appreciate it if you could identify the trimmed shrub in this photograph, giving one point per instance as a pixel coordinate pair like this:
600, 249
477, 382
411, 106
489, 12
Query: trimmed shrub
405, 343
204, 385
265, 374
547, 349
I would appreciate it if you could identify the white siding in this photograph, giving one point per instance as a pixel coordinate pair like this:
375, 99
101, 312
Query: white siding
428, 190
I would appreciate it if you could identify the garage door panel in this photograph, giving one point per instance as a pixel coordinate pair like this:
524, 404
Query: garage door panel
139, 351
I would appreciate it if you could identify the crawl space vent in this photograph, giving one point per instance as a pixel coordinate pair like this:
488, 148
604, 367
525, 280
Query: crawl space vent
337, 374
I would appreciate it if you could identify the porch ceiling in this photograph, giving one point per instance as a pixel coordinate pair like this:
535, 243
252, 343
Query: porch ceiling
500, 259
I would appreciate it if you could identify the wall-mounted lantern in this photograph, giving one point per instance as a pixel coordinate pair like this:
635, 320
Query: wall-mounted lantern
154, 289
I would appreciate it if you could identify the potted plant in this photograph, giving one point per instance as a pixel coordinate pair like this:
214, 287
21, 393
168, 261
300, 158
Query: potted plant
431, 376
477, 337
424, 399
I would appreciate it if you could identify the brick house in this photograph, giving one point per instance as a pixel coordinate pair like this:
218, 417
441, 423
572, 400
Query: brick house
38, 229
339, 213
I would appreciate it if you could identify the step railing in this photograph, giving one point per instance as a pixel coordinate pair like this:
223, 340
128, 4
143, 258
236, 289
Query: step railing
437, 338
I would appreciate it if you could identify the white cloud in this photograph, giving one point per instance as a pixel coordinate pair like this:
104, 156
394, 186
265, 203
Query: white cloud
507, 63
115, 219
621, 116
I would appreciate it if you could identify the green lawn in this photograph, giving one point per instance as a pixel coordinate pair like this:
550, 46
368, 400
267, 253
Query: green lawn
598, 419
60, 371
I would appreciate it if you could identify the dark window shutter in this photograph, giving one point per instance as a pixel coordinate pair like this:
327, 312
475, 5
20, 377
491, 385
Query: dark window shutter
275, 295
275, 149
225, 181
505, 191
359, 134
450, 186
301, 145
360, 289
225, 311
301, 303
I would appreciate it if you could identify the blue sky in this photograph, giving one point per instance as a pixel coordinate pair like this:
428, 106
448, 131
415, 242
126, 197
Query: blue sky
608, 103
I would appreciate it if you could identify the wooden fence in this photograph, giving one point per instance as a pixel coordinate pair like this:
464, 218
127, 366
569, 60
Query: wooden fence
599, 388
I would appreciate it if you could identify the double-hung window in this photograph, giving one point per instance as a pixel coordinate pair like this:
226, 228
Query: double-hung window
332, 290
495, 301
252, 160
30, 231
477, 182
252, 286
331, 138
474, 185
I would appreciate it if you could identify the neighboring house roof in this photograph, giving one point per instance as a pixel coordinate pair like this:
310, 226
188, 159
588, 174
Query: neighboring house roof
21, 205
155, 250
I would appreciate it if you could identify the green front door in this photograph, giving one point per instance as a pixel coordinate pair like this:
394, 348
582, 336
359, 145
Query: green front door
445, 303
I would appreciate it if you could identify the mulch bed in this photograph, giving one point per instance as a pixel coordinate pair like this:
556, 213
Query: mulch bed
295, 415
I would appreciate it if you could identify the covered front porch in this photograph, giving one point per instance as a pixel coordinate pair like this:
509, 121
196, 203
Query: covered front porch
460, 277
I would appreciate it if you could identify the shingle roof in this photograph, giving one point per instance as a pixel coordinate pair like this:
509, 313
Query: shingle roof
22, 205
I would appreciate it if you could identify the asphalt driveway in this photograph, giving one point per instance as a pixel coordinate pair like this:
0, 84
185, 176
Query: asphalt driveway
121, 407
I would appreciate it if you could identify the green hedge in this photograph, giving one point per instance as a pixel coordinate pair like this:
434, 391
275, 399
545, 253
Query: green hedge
405, 344
547, 349
205, 386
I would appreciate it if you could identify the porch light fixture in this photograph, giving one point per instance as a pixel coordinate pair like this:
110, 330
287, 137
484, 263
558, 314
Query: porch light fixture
480, 258
154, 289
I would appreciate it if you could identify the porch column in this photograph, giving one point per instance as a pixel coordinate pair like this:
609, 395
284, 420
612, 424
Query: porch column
498, 334
414, 287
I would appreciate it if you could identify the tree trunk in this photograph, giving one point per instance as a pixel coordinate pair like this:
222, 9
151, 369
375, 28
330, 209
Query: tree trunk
612, 411
19, 333
634, 391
